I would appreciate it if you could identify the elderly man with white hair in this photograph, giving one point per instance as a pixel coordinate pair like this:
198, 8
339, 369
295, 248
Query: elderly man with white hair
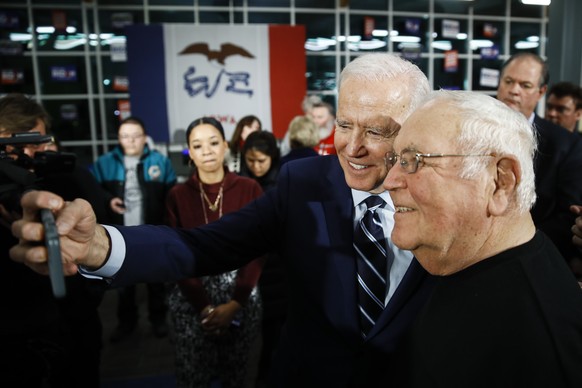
506, 310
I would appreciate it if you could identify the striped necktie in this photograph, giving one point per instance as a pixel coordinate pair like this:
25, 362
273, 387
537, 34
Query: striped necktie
372, 263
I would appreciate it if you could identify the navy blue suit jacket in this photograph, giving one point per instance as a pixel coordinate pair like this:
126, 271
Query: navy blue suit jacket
307, 219
558, 168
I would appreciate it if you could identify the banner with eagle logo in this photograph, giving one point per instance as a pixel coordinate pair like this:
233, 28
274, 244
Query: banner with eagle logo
180, 72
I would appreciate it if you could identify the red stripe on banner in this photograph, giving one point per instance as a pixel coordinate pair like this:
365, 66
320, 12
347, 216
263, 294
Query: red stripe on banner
288, 83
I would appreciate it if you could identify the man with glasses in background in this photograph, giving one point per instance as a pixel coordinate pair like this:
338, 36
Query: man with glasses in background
137, 180
564, 105
558, 161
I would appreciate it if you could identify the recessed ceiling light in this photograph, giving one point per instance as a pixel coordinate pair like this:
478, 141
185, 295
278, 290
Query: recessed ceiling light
537, 2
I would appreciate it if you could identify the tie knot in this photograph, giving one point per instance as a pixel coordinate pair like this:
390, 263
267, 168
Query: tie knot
373, 201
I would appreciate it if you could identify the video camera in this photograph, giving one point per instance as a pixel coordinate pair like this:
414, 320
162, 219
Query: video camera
20, 172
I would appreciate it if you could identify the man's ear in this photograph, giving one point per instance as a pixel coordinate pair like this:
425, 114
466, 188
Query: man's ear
507, 177
542, 91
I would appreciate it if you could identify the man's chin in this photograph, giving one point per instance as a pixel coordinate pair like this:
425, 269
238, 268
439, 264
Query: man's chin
358, 184
512, 105
360, 179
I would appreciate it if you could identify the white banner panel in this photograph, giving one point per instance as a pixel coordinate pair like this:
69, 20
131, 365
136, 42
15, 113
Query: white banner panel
217, 70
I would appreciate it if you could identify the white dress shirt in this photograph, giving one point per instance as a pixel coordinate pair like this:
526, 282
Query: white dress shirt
402, 259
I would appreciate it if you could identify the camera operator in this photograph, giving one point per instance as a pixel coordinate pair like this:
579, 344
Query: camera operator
46, 342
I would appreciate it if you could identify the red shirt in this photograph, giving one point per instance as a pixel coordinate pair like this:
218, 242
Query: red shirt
326, 146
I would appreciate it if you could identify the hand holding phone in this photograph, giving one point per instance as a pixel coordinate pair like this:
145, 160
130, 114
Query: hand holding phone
54, 253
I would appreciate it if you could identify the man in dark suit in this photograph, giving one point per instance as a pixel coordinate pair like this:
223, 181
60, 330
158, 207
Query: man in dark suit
558, 162
564, 105
309, 219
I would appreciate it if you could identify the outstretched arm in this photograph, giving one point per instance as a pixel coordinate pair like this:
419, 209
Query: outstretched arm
82, 240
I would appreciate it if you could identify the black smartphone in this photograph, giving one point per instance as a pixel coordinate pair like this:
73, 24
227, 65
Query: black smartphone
53, 247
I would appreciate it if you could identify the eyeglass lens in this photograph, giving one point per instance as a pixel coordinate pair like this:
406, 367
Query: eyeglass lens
409, 160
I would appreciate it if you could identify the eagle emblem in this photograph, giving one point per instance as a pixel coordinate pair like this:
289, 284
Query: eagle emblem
226, 50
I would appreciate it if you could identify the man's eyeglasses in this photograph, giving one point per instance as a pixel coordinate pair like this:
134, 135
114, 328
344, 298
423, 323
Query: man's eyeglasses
410, 159
561, 109
130, 137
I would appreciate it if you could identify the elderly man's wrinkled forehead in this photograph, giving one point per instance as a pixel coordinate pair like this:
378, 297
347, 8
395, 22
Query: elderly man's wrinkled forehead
434, 119
401, 100
383, 103
393, 94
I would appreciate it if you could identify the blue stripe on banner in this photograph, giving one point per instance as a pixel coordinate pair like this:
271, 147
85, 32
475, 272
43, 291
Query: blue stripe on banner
147, 82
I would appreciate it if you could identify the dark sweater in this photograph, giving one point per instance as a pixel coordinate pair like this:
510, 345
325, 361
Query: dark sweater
513, 320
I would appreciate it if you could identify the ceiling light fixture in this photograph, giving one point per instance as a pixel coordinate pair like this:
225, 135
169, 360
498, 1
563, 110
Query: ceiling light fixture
20, 37
45, 29
367, 45
477, 44
380, 33
536, 2
443, 45
525, 45
405, 39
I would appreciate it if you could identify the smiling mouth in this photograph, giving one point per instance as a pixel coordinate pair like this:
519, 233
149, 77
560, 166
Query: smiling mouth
358, 166
403, 209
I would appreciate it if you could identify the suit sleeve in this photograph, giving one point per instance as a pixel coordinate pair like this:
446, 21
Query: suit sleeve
225, 245
568, 192
246, 280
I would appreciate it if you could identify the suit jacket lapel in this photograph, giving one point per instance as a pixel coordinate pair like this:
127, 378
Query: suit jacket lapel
338, 209
342, 308
409, 284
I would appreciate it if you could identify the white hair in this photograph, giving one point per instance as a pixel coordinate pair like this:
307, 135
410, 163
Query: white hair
488, 126
309, 101
383, 66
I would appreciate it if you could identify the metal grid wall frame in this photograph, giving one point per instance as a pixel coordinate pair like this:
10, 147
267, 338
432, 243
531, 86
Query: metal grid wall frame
62, 53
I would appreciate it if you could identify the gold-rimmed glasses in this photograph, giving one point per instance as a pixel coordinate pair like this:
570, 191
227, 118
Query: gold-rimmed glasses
411, 159
125, 136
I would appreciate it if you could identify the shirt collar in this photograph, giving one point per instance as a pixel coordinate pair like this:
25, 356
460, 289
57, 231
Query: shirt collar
358, 196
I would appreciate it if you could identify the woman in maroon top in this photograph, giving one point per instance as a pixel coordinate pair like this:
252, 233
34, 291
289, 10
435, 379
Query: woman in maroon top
216, 318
